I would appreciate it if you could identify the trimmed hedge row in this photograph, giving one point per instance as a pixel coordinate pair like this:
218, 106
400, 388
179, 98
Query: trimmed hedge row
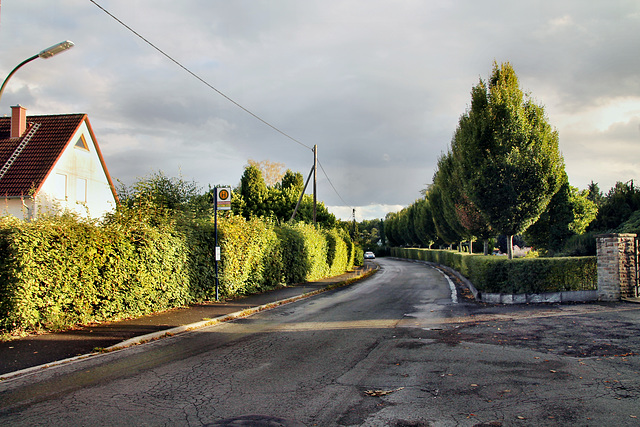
518, 276
59, 271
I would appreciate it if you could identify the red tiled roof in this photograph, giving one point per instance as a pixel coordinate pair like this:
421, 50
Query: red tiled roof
40, 154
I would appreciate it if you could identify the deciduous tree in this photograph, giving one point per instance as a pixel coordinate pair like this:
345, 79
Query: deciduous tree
509, 154
443, 229
423, 223
272, 172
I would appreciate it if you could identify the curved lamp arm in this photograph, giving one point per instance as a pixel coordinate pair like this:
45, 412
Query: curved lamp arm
47, 53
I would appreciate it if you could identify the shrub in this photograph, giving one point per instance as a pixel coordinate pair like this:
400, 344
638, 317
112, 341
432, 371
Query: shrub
250, 256
62, 270
316, 249
358, 256
338, 253
295, 259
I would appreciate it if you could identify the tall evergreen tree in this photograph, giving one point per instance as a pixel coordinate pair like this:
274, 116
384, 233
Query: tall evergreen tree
284, 195
450, 193
473, 127
594, 194
459, 211
293, 180
405, 226
390, 227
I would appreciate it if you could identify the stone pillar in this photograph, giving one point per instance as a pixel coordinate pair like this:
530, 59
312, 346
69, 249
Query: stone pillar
616, 266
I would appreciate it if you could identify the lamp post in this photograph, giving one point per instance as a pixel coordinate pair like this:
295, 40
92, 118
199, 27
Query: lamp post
47, 53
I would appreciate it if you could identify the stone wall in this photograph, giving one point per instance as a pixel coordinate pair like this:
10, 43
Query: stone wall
616, 266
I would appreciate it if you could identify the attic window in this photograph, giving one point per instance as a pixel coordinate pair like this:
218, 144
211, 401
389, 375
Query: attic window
82, 143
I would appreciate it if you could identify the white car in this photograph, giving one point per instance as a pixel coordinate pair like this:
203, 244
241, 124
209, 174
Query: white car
369, 255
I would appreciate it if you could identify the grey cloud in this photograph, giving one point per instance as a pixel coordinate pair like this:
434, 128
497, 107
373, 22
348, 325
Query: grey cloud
378, 85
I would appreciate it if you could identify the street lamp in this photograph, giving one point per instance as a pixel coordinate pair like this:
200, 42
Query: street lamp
47, 53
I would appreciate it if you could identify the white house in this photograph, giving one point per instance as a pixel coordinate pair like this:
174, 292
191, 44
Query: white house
52, 163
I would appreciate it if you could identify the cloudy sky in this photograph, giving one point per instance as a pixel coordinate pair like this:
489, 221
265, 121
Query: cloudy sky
377, 85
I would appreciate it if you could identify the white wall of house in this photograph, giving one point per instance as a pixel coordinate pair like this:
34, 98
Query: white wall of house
16, 208
77, 182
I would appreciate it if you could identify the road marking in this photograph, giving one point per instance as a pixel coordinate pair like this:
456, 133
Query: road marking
454, 293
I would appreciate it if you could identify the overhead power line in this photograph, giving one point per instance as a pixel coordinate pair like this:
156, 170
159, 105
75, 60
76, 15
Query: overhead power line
332, 186
169, 57
166, 55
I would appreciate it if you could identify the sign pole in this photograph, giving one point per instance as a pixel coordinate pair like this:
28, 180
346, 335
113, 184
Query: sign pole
215, 226
221, 201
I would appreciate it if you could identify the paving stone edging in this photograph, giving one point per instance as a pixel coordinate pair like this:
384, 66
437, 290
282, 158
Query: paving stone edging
547, 297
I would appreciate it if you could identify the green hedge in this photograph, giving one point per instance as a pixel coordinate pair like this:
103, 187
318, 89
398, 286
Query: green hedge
496, 274
310, 254
251, 256
59, 271
339, 252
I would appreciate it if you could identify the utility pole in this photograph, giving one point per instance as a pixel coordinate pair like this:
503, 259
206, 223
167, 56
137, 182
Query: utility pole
314, 172
354, 225
295, 211
315, 181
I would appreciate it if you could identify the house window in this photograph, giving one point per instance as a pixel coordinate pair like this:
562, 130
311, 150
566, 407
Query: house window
60, 186
82, 143
81, 190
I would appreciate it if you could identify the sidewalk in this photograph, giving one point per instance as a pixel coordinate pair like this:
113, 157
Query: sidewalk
37, 350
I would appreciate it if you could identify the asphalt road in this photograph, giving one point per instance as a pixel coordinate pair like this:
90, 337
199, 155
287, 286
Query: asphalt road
392, 350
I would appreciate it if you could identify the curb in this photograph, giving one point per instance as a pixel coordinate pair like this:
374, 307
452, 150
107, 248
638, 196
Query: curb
508, 299
142, 339
204, 323
447, 271
232, 316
